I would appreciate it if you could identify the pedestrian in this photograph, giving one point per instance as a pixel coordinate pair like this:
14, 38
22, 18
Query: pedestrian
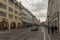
52, 30
55, 29
49, 29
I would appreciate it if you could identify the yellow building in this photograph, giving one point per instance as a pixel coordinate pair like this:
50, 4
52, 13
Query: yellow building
10, 14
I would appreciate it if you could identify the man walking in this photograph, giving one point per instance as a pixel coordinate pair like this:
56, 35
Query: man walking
52, 30
55, 29
48, 29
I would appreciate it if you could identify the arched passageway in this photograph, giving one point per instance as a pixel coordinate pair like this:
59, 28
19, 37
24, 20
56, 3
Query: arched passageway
4, 25
13, 25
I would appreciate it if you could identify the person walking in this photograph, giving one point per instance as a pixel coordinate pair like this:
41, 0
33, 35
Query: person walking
55, 29
49, 29
52, 30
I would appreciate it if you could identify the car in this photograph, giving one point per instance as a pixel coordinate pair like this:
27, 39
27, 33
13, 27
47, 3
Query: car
34, 28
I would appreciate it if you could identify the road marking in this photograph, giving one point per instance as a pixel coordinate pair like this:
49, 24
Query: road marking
43, 33
44, 36
48, 37
43, 30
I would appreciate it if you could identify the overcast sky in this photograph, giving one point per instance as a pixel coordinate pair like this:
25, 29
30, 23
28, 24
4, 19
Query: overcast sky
37, 7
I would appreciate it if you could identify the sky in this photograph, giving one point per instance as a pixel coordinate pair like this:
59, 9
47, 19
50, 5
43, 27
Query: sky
37, 7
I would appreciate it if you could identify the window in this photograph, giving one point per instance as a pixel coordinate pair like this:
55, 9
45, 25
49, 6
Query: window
10, 9
16, 17
49, 1
24, 14
2, 5
3, 13
16, 6
10, 16
16, 12
10, 2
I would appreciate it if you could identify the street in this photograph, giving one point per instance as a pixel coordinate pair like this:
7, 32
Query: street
29, 19
25, 34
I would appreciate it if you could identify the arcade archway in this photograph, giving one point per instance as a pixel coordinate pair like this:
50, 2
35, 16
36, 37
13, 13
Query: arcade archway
13, 25
4, 25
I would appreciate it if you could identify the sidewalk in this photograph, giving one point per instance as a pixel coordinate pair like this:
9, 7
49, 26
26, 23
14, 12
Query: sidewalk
12, 34
54, 37
6, 31
9, 31
12, 30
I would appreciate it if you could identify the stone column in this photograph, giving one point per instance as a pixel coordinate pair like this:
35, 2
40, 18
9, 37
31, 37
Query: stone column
9, 28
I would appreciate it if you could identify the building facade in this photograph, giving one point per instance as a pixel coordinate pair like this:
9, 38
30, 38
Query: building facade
14, 15
27, 17
36, 21
53, 14
10, 14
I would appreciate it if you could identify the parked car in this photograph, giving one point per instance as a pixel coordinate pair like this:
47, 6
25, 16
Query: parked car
34, 28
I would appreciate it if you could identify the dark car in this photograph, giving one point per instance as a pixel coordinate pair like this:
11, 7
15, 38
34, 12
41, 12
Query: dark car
34, 28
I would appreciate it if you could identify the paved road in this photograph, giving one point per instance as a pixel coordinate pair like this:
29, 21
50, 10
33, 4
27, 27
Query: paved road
24, 34
14, 34
37, 35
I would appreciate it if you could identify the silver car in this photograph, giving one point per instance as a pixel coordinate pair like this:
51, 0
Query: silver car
34, 28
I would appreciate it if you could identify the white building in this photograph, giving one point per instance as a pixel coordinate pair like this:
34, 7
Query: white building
53, 14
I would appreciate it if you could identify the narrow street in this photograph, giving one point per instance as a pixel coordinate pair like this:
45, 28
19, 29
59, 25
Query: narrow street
25, 34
